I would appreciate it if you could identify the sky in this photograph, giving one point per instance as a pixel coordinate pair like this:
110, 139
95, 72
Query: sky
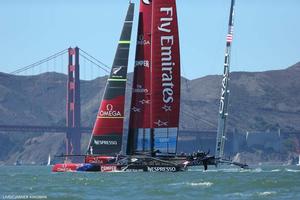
266, 32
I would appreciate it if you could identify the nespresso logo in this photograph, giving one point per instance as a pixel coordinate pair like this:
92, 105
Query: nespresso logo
105, 142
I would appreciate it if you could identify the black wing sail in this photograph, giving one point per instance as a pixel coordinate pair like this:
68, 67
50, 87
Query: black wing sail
223, 108
108, 129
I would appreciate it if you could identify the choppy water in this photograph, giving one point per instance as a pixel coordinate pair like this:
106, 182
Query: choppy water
38, 182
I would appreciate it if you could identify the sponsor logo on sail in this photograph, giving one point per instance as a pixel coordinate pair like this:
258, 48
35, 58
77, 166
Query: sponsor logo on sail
167, 108
141, 40
167, 63
142, 63
160, 123
105, 142
110, 112
116, 71
147, 2
139, 89
136, 109
224, 86
144, 101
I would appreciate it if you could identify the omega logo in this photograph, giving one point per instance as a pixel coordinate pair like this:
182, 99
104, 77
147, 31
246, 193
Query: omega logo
141, 40
146, 2
109, 107
110, 112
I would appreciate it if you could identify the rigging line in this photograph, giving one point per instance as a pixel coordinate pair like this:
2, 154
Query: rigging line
95, 64
194, 116
39, 62
95, 59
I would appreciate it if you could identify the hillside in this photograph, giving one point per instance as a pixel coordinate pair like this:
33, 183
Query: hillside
258, 101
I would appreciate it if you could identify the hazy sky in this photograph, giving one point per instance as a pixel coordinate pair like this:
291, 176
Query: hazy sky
266, 34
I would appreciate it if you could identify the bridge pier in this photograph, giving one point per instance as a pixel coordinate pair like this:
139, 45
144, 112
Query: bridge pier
73, 138
73, 135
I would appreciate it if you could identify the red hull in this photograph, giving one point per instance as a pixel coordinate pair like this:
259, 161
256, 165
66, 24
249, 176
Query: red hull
66, 167
91, 162
98, 159
80, 167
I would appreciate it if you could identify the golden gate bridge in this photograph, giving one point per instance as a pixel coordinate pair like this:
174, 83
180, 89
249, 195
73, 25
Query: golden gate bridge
73, 128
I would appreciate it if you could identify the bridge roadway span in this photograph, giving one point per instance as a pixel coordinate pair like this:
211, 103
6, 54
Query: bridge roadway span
62, 129
48, 129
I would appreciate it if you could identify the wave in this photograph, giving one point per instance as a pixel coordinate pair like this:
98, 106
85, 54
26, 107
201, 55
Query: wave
292, 170
240, 170
266, 193
275, 170
200, 184
228, 170
206, 184
237, 195
250, 194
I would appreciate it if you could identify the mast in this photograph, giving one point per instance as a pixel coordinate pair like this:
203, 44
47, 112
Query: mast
223, 108
108, 129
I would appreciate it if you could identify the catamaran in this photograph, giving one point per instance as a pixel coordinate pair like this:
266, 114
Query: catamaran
155, 96
155, 101
106, 142
154, 116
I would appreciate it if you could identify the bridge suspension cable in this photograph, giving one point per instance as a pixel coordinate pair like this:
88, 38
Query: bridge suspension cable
197, 117
22, 69
96, 64
84, 54
92, 57
99, 63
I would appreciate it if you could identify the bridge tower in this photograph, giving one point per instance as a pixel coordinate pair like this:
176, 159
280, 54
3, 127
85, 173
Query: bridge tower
73, 135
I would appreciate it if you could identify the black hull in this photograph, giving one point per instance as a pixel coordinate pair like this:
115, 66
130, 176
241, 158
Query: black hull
131, 168
149, 168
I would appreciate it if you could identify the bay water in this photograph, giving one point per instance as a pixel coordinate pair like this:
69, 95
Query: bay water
261, 182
